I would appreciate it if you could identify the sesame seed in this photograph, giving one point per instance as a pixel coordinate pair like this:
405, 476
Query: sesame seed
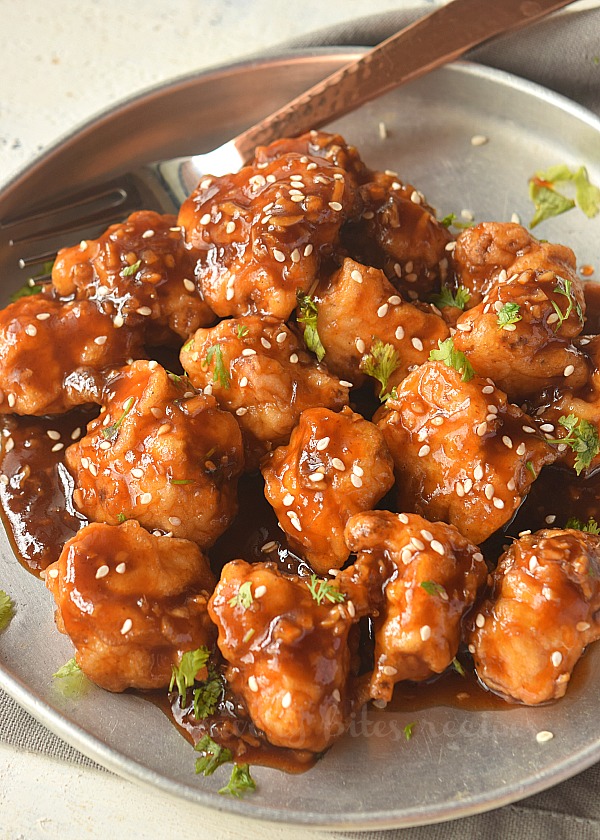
406, 556
460, 490
498, 503
552, 318
550, 520
478, 140
93, 469
487, 389
288, 499
547, 427
229, 227
382, 311
31, 330
286, 700
241, 411
582, 626
127, 625
294, 359
533, 561
308, 250
462, 327
279, 255
569, 370
510, 484
338, 464
295, 255
543, 736
478, 472
294, 519
145, 498
479, 620
403, 518
528, 430
425, 632
481, 429
417, 543
163, 429
260, 590
53, 573
490, 418
136, 472
450, 246
489, 491
104, 445
205, 219
316, 476
175, 521
521, 449
297, 197
345, 384
556, 658
437, 421
351, 609
360, 345
265, 343
335, 205
415, 197
509, 327
356, 480
248, 351
437, 546
42, 316
394, 300
397, 269
507, 441
389, 670
424, 450
147, 234
252, 683
120, 569
204, 184
144, 310
102, 571
118, 321
417, 343
100, 340
468, 485
53, 434
399, 334
358, 470
281, 337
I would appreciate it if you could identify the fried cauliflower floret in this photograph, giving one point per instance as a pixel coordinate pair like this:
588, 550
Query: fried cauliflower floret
517, 337
398, 232
263, 232
358, 310
140, 273
259, 370
528, 635
288, 653
462, 453
492, 251
160, 453
131, 603
335, 465
432, 575
54, 356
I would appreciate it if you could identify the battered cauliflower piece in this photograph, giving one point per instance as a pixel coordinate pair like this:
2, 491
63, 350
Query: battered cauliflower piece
140, 273
431, 578
259, 370
336, 465
159, 453
398, 232
462, 453
131, 603
492, 251
263, 232
288, 653
54, 356
542, 612
358, 310
520, 335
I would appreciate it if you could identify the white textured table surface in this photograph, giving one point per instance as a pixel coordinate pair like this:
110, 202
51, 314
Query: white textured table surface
61, 62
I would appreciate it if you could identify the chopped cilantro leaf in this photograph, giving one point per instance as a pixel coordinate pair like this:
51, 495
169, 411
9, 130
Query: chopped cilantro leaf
447, 297
322, 590
380, 363
243, 597
451, 221
509, 314
131, 269
25, 291
582, 437
241, 330
184, 674
220, 373
408, 731
207, 696
73, 682
213, 755
240, 782
452, 357
7, 609
308, 317
564, 286
121, 518
590, 527
458, 667
110, 432
433, 588
546, 190
189, 344
531, 469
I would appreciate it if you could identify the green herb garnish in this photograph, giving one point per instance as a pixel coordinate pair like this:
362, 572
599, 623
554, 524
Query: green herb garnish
582, 437
564, 286
433, 588
308, 316
207, 696
531, 469
322, 590
131, 269
549, 201
240, 783
509, 314
73, 682
121, 518
35, 284
590, 527
243, 597
447, 297
381, 362
451, 221
220, 373
110, 432
452, 357
242, 330
7, 609
189, 344
184, 674
458, 667
182, 481
408, 731
213, 755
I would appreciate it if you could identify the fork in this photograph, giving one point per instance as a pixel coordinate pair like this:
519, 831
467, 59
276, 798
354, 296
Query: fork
439, 37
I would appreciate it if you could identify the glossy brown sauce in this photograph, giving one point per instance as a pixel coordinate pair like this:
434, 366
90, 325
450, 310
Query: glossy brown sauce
38, 513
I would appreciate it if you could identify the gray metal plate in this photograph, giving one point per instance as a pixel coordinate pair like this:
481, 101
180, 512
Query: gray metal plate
457, 762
